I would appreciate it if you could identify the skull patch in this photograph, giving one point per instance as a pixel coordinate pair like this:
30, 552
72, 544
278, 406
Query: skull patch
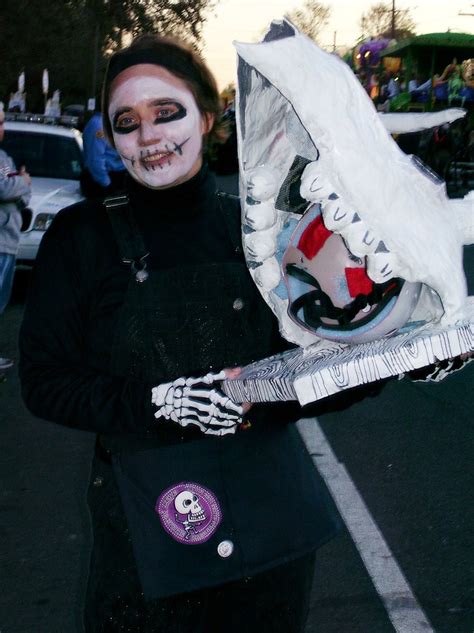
189, 512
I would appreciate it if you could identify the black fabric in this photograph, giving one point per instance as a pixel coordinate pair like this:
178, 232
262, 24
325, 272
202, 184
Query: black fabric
127, 234
92, 189
193, 230
273, 601
90, 357
65, 369
183, 322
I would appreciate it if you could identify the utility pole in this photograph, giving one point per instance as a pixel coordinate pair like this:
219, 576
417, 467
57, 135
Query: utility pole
393, 19
334, 42
95, 63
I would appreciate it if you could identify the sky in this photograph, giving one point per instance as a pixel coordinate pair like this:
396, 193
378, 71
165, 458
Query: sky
247, 20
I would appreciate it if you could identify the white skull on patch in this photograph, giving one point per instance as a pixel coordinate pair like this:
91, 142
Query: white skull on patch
187, 503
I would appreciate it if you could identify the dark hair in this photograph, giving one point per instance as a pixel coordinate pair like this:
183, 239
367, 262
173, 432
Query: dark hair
180, 60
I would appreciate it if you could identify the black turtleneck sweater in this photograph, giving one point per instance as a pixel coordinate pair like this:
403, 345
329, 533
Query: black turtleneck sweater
182, 226
78, 287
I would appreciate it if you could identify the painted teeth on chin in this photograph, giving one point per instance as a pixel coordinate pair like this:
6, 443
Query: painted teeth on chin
157, 156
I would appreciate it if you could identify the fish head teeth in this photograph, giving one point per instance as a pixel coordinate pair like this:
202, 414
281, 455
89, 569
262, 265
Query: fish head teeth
315, 185
262, 183
337, 215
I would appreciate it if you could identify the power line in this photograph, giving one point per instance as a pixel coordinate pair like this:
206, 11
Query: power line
471, 14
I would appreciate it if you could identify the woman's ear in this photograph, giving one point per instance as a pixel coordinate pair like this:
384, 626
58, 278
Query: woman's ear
207, 120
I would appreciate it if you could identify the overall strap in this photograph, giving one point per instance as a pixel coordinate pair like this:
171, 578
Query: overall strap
229, 206
127, 234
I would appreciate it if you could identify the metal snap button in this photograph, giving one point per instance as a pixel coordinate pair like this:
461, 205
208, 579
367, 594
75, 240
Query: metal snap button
98, 482
238, 304
225, 549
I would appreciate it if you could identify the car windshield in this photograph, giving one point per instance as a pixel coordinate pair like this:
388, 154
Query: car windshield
44, 155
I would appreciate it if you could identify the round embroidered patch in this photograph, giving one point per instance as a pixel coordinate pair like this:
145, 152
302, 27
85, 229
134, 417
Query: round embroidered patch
189, 512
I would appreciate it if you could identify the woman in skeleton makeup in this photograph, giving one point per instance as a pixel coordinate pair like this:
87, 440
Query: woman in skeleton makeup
205, 513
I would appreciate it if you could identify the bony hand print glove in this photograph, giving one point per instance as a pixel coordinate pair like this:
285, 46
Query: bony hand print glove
194, 401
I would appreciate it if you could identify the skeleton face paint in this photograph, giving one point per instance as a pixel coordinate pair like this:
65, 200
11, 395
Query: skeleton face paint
157, 126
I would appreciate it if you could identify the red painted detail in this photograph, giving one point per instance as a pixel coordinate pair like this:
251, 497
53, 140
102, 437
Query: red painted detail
390, 287
358, 282
313, 238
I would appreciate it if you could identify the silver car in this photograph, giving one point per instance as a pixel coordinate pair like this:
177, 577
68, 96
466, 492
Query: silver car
52, 154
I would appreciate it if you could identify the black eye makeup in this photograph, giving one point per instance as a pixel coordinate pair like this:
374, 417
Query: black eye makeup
124, 122
167, 111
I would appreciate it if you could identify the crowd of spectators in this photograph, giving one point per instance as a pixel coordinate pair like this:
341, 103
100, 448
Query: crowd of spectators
393, 91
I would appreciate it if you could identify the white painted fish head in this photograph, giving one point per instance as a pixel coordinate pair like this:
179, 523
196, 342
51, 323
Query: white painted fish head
309, 136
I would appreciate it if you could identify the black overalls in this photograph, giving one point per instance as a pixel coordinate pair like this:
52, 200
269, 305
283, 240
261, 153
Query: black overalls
257, 502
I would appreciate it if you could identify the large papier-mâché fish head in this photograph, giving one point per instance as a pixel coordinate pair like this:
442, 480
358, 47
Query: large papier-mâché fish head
321, 181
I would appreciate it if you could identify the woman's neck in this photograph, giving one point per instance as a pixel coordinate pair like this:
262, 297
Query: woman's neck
176, 203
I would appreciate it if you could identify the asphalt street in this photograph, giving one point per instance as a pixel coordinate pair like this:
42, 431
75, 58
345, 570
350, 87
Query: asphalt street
408, 450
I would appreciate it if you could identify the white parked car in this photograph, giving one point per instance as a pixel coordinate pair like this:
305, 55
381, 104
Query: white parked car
52, 154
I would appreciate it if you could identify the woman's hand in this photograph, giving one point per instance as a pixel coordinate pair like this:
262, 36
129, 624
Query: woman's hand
196, 401
230, 374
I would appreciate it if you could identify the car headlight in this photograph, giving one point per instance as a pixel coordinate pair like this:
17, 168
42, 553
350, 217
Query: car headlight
42, 221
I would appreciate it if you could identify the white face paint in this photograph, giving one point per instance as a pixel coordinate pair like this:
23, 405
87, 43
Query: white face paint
157, 126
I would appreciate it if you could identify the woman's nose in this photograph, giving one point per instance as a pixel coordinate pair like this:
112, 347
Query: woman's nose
149, 133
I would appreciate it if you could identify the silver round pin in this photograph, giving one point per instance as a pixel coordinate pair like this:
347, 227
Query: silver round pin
141, 276
238, 304
225, 549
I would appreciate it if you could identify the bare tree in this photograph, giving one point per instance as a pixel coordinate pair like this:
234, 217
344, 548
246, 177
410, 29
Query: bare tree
73, 39
377, 22
310, 18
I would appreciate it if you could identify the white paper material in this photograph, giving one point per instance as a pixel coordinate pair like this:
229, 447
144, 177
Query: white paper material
402, 123
323, 369
298, 102
305, 125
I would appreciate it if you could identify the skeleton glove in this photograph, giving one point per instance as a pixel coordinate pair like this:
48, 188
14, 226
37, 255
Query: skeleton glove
440, 370
193, 401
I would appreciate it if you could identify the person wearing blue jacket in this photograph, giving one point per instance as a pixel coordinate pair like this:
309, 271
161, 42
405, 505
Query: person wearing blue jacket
103, 168
15, 193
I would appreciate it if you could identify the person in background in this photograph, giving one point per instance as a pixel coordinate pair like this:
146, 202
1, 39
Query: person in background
393, 87
413, 84
104, 171
15, 193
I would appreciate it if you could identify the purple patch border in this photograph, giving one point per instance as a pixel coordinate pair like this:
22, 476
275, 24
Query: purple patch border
168, 496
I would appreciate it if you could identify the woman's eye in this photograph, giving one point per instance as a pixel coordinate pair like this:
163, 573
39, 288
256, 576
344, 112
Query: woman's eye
168, 112
125, 121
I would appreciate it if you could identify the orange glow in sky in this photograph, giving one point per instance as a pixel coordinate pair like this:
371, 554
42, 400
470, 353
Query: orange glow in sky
247, 20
